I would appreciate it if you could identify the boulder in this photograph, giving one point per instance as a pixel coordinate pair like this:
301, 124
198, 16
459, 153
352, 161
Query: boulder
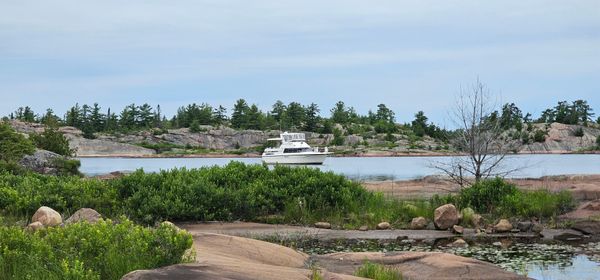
418, 223
524, 226
459, 243
84, 214
537, 227
477, 220
35, 226
445, 216
383, 225
47, 216
570, 235
587, 227
324, 225
363, 228
42, 161
503, 226
457, 229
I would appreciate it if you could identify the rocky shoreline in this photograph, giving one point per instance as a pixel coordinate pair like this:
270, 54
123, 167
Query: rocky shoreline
227, 142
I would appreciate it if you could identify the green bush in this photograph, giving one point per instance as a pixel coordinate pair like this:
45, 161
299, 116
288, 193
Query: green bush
484, 195
378, 272
13, 146
105, 250
539, 203
578, 132
52, 140
23, 195
539, 136
500, 198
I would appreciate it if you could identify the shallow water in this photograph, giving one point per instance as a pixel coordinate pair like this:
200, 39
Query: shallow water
362, 168
538, 261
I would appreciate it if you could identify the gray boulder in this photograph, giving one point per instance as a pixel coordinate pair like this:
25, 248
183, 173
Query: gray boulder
84, 214
445, 216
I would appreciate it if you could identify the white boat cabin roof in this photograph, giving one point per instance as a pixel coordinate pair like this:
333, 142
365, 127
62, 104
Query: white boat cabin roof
289, 137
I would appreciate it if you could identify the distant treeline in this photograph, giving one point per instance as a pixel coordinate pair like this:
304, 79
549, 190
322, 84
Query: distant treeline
292, 116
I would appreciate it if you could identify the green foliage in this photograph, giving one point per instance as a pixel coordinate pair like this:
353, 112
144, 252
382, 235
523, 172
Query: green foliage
578, 132
23, 195
52, 140
598, 141
195, 127
104, 250
484, 195
338, 138
13, 145
377, 271
539, 136
500, 198
67, 167
539, 203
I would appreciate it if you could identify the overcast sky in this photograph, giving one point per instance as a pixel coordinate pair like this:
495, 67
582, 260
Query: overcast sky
410, 55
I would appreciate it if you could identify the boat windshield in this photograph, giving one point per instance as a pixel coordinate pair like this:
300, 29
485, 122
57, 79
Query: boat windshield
289, 137
295, 150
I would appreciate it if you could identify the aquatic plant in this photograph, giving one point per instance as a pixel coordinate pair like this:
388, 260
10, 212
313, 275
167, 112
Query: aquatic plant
377, 271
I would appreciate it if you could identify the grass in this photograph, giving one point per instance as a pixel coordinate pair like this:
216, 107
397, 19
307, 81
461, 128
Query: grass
377, 271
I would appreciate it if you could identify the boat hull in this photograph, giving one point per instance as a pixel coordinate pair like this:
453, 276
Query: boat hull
312, 158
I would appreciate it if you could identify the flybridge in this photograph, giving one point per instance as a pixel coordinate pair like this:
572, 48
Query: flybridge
290, 137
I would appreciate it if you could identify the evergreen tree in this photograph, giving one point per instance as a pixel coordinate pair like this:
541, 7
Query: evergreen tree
145, 116
239, 117
311, 117
294, 115
220, 115
97, 119
339, 114
50, 119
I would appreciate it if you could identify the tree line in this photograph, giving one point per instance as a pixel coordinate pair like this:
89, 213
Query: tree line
292, 116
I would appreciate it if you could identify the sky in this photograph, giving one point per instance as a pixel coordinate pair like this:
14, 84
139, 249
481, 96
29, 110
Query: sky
409, 55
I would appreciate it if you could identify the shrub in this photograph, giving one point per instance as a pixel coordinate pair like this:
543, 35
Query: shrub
52, 140
598, 141
105, 250
539, 203
13, 145
377, 271
484, 195
578, 132
539, 136
23, 195
338, 138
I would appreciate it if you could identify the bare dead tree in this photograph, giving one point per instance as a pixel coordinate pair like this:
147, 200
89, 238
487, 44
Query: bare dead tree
480, 138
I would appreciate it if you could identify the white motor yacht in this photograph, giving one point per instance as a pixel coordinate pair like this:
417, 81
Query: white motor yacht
294, 150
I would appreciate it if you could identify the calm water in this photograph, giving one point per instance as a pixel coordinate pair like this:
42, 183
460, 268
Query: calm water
361, 168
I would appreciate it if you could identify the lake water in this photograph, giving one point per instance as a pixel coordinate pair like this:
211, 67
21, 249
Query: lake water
363, 168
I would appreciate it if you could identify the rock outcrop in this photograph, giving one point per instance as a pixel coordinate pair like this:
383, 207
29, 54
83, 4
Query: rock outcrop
223, 257
98, 147
42, 161
47, 217
445, 216
561, 138
84, 214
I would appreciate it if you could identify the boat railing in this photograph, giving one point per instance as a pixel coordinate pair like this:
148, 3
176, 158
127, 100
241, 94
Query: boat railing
321, 149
